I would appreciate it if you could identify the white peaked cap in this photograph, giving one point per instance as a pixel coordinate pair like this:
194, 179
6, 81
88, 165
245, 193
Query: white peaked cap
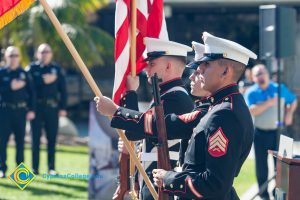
159, 47
216, 48
199, 52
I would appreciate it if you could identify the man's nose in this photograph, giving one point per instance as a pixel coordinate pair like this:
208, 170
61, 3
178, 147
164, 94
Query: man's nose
192, 76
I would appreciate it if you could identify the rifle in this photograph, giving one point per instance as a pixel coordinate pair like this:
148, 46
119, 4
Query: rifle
163, 157
123, 186
126, 186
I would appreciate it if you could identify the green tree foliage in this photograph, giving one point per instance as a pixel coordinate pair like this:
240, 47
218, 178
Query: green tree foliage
34, 27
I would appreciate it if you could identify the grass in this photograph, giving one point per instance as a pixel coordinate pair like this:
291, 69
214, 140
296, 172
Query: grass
246, 177
69, 159
74, 159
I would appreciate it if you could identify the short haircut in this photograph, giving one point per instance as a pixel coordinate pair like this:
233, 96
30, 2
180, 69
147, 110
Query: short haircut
238, 68
181, 59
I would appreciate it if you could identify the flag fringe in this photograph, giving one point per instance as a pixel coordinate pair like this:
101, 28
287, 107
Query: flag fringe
14, 12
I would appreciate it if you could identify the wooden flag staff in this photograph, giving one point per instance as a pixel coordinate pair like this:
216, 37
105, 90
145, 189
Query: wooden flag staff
133, 61
95, 88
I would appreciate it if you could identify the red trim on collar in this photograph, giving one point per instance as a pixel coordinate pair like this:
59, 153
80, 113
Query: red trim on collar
227, 86
174, 79
173, 91
202, 99
229, 95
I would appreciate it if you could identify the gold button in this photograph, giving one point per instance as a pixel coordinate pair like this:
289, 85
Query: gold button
171, 185
136, 116
181, 186
127, 114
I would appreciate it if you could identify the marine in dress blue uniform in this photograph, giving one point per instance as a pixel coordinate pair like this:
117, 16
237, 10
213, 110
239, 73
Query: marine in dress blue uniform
222, 140
175, 100
144, 124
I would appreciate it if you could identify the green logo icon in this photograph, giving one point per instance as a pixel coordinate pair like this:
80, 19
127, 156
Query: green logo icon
22, 176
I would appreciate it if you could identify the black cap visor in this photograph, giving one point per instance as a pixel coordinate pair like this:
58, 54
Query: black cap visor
154, 55
209, 57
192, 65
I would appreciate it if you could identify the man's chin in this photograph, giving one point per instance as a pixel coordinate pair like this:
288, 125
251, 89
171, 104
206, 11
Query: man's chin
195, 94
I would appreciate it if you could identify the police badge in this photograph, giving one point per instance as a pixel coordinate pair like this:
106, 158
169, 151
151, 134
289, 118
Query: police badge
53, 71
22, 76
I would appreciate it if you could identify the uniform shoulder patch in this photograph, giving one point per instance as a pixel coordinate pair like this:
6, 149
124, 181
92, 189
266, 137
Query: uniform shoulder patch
188, 117
218, 143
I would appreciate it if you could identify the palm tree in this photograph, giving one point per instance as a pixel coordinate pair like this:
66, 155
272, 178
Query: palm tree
33, 28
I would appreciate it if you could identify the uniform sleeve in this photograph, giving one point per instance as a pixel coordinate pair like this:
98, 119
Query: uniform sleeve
130, 100
223, 150
131, 121
4, 85
176, 125
140, 125
62, 90
31, 93
287, 95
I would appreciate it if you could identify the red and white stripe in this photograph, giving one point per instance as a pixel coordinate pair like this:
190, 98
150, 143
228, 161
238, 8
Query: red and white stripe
150, 23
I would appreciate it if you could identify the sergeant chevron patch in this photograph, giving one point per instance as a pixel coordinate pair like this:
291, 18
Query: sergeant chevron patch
186, 118
218, 143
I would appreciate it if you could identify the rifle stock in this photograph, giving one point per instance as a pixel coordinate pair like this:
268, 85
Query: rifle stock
163, 157
123, 186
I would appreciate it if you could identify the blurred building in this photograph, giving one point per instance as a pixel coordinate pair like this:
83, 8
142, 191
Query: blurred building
237, 20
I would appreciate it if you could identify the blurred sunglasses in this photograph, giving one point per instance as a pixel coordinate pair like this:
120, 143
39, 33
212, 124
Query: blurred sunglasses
260, 74
13, 56
45, 52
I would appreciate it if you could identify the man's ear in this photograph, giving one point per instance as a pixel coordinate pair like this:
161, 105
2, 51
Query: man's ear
225, 71
169, 65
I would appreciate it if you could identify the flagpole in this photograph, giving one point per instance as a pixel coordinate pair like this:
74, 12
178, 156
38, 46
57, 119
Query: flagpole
133, 38
132, 61
94, 87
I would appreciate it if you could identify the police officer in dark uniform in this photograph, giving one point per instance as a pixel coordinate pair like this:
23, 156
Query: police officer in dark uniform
50, 87
222, 140
167, 59
17, 101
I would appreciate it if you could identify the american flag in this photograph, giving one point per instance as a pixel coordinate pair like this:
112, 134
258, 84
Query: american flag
150, 23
